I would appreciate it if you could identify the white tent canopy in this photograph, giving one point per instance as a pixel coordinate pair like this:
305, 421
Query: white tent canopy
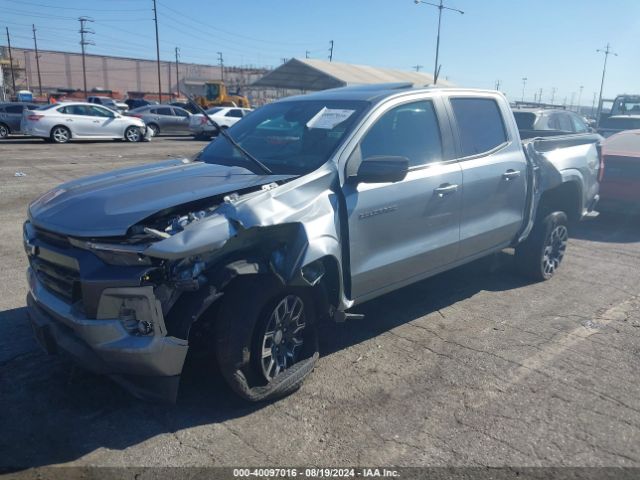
311, 74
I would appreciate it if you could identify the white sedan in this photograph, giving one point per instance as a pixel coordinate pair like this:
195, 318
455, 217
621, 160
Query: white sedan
200, 127
62, 122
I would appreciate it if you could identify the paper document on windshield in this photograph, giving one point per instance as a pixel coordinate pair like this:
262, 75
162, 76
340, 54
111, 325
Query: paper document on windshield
328, 118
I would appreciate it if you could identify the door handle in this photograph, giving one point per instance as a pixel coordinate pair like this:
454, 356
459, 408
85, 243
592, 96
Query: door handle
511, 174
96, 121
445, 189
69, 119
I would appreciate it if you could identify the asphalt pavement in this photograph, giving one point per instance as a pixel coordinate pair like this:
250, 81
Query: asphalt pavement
474, 367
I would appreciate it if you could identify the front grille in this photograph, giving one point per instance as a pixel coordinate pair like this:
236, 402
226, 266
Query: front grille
52, 238
617, 167
61, 281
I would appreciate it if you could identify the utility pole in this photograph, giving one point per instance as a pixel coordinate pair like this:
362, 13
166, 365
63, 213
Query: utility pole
331, 51
177, 73
306, 54
155, 19
540, 96
593, 105
573, 97
13, 76
498, 85
221, 63
440, 7
83, 43
553, 94
417, 68
607, 51
35, 44
524, 85
580, 97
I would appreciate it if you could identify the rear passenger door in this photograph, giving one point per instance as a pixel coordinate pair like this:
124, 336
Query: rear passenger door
399, 232
494, 172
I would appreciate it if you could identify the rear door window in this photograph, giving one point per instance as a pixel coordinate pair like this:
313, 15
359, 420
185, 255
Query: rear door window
565, 122
235, 112
480, 124
15, 108
164, 111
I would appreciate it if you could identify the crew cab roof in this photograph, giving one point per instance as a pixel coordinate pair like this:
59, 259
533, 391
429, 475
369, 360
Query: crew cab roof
376, 92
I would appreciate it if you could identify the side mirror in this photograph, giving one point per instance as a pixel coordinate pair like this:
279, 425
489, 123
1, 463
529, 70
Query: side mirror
382, 169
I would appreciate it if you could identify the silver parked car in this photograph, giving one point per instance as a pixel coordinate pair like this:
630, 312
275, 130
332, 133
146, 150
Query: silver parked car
11, 117
75, 120
163, 118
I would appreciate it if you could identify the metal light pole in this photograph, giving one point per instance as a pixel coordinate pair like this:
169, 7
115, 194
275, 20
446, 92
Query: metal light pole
607, 51
580, 97
524, 85
440, 7
221, 63
177, 72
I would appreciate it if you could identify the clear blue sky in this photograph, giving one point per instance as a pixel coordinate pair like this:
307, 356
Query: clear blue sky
551, 42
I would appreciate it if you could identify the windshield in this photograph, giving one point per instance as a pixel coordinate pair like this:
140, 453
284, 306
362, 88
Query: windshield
290, 138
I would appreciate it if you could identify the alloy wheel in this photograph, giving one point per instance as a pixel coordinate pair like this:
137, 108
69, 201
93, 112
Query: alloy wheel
555, 249
282, 339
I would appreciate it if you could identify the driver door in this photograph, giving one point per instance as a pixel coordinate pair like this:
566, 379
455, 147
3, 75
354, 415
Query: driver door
402, 231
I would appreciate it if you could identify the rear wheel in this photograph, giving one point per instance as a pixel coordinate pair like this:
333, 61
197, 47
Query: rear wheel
541, 254
266, 347
4, 130
60, 134
132, 134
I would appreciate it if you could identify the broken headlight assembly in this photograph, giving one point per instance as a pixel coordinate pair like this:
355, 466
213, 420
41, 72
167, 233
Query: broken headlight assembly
115, 254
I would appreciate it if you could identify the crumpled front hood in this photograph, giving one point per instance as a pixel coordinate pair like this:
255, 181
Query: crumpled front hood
107, 205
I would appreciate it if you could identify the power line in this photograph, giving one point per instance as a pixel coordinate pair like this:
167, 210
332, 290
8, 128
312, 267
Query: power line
607, 51
13, 76
221, 63
83, 8
155, 19
83, 43
35, 44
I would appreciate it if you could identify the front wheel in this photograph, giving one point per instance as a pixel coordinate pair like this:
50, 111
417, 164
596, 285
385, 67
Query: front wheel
4, 131
266, 347
133, 134
60, 134
540, 255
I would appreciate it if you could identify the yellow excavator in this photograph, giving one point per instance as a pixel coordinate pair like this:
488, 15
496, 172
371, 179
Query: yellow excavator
216, 95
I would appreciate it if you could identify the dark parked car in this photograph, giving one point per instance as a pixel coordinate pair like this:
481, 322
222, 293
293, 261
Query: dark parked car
620, 179
11, 116
138, 102
188, 106
541, 122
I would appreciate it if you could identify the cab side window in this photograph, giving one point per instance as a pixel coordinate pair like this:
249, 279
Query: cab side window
480, 125
410, 130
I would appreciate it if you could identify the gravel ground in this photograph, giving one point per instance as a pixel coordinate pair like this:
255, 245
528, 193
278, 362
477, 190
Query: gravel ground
474, 367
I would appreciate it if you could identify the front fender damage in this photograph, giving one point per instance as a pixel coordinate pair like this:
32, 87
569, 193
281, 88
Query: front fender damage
290, 232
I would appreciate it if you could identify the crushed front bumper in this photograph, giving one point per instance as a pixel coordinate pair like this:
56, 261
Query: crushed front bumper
147, 366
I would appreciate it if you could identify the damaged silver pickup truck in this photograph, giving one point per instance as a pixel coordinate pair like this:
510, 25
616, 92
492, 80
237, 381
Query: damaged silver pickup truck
312, 205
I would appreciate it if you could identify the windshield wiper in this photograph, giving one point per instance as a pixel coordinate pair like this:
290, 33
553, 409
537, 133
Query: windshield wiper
222, 131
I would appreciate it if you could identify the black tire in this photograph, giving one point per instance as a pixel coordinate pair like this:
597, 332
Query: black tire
133, 134
246, 310
155, 128
60, 134
541, 254
4, 130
